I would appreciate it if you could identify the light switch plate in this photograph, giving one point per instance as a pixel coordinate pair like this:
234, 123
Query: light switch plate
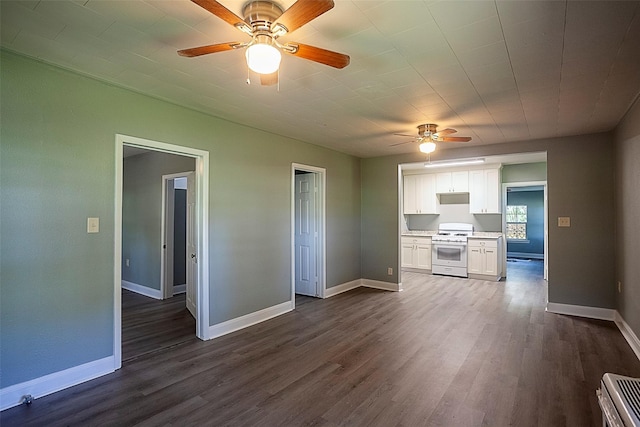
564, 221
93, 225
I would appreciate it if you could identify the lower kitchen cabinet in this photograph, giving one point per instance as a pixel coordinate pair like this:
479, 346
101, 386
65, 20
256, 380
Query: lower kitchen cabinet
485, 259
416, 252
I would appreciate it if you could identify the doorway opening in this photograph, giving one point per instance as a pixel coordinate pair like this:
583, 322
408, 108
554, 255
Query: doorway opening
525, 222
197, 209
308, 231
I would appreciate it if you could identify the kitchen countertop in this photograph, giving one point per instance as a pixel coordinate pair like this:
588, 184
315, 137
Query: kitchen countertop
429, 233
485, 235
419, 233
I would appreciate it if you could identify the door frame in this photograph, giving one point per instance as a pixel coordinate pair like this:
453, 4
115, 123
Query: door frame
167, 225
545, 236
202, 223
320, 215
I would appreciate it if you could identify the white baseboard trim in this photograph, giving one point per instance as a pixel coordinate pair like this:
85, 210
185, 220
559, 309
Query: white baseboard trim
343, 287
628, 334
582, 311
249, 319
142, 290
179, 289
524, 255
377, 284
39, 387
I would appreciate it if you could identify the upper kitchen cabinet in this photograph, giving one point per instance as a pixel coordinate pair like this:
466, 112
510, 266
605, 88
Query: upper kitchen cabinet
484, 191
419, 194
452, 182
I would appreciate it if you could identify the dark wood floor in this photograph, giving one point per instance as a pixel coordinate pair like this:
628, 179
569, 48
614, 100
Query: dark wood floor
149, 325
444, 352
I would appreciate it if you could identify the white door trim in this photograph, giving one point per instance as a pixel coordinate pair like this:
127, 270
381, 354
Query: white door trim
202, 207
167, 255
506, 185
321, 219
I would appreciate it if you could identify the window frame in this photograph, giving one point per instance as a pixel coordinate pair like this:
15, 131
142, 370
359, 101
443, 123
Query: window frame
525, 222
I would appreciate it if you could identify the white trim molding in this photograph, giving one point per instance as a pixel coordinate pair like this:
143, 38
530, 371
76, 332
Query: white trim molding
343, 287
582, 311
628, 334
524, 255
249, 319
202, 219
367, 283
386, 286
39, 387
142, 290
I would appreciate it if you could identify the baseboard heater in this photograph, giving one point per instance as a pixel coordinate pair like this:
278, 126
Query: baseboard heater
619, 399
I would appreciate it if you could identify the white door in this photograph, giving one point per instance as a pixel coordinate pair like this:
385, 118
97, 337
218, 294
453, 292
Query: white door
306, 235
192, 253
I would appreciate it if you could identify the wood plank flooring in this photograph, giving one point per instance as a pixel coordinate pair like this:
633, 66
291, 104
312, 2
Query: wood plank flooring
150, 325
444, 352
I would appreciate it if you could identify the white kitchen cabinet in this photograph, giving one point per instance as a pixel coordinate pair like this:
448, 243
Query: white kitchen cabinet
484, 191
452, 182
419, 193
416, 252
484, 259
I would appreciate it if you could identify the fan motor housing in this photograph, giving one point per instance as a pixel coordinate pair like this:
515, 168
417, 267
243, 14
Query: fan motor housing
429, 127
260, 14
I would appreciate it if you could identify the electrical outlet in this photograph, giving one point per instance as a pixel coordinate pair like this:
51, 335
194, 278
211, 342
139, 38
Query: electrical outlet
619, 286
390, 271
126, 262
564, 221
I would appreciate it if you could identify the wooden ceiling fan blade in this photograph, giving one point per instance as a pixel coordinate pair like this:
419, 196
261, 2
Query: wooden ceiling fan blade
300, 13
269, 79
446, 131
205, 50
455, 139
316, 54
221, 12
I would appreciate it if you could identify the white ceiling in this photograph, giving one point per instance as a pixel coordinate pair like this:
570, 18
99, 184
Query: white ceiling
498, 71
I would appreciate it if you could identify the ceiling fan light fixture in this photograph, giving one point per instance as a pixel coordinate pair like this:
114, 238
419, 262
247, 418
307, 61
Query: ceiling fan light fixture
263, 58
428, 147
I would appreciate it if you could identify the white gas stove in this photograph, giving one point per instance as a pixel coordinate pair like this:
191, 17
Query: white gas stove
449, 249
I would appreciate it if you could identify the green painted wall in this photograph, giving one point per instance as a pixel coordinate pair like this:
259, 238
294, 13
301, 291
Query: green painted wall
524, 172
627, 138
57, 167
142, 213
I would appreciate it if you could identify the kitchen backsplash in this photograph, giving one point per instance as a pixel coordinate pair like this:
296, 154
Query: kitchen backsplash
455, 212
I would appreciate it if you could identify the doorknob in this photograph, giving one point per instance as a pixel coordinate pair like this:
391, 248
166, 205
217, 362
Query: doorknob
193, 255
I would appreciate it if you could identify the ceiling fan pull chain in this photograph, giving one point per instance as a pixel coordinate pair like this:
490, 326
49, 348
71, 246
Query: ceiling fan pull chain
248, 76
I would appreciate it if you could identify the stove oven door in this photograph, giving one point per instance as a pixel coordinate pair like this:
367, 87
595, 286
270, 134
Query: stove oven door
449, 254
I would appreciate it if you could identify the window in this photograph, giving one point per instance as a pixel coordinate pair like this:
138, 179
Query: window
517, 222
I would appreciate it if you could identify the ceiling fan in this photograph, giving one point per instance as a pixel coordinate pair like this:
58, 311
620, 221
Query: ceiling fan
428, 135
265, 22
